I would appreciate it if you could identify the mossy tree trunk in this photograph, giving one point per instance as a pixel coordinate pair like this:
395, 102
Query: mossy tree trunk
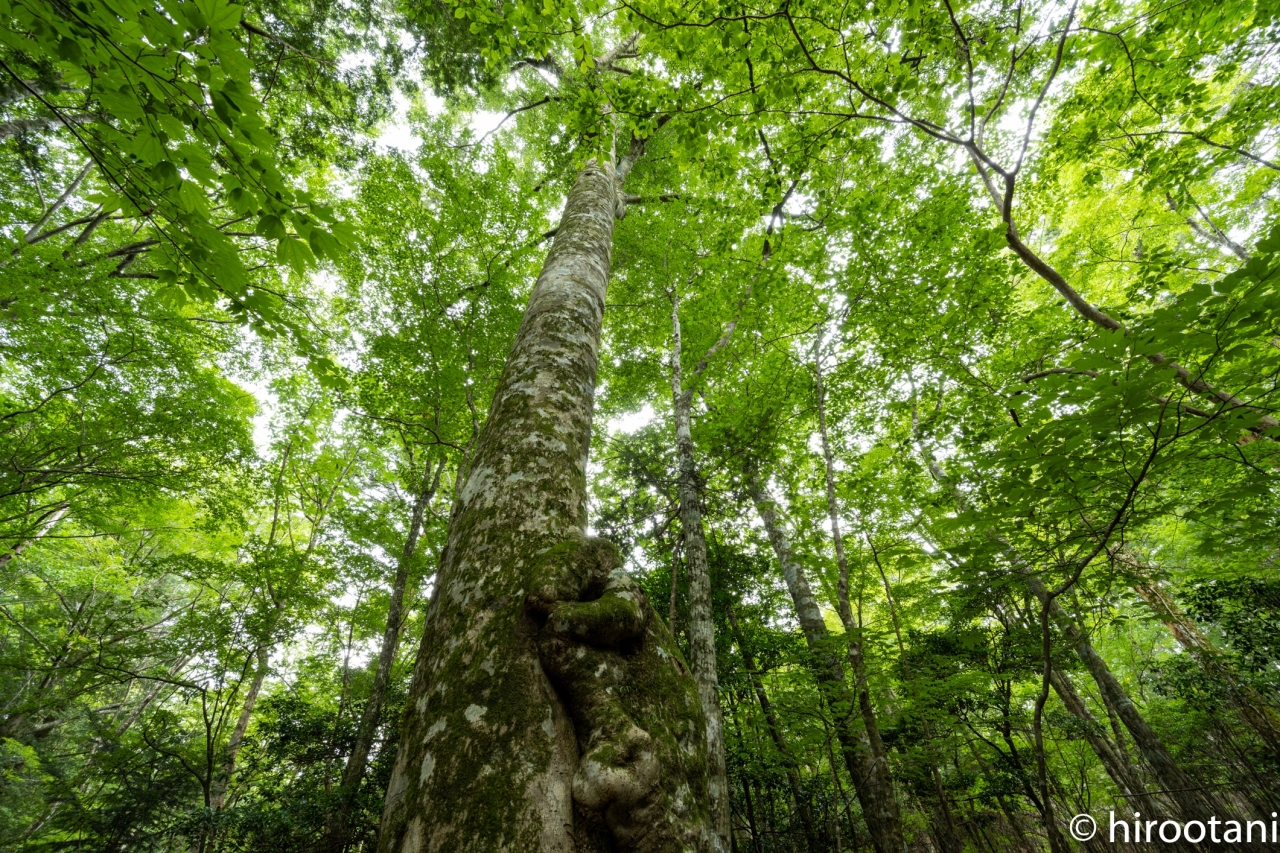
702, 638
488, 750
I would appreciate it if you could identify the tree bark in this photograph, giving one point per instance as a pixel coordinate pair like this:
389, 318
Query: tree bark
26, 125
871, 781
34, 231
488, 750
1256, 712
358, 761
218, 800
701, 630
1108, 752
50, 522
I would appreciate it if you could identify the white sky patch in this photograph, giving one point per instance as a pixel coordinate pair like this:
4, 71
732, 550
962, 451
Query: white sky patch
397, 133
631, 421
355, 59
267, 402
484, 121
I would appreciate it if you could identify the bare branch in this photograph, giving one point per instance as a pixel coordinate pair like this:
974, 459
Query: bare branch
33, 233
1059, 371
251, 28
499, 125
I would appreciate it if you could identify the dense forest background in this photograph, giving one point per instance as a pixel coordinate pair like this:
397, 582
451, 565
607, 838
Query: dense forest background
936, 406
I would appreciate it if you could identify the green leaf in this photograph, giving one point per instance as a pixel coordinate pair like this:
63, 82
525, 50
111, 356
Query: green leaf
220, 14
295, 254
325, 245
271, 227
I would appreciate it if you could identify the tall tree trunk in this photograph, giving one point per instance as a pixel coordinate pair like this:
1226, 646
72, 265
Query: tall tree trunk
1013, 818
852, 627
871, 783
61, 202
1256, 712
1040, 795
488, 750
941, 820
701, 630
1108, 752
357, 762
790, 764
222, 783
1194, 801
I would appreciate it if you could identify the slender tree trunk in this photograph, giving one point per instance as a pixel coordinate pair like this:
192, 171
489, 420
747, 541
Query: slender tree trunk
751, 814
358, 761
1256, 712
61, 202
488, 750
101, 744
941, 819
1212, 232
1108, 752
675, 580
1038, 795
701, 630
1193, 801
27, 125
748, 800
871, 783
1012, 817
218, 800
50, 522
841, 796
775, 734
852, 627
16, 91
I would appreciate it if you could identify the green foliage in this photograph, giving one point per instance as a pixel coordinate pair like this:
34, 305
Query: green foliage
843, 186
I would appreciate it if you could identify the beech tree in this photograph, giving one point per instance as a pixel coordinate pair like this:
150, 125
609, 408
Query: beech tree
568, 427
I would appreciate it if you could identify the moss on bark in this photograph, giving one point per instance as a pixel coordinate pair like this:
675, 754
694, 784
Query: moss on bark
488, 751
633, 701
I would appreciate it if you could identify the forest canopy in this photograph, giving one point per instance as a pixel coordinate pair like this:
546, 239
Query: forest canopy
550, 425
